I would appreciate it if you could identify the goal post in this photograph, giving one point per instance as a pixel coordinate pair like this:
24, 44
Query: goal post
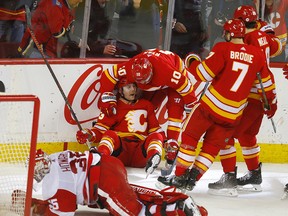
19, 116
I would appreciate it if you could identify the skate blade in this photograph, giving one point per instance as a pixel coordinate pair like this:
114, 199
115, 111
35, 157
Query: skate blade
284, 196
250, 188
228, 192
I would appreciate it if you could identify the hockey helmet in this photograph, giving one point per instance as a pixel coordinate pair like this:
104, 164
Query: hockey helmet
123, 82
142, 70
235, 27
42, 165
246, 12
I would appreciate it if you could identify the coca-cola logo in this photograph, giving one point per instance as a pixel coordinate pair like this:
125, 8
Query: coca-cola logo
86, 90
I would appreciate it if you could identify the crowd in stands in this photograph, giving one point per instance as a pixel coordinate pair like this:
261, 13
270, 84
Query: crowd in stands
125, 28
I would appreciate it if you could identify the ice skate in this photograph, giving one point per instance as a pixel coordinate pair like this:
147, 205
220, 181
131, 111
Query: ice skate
192, 178
225, 186
152, 164
251, 181
285, 195
172, 180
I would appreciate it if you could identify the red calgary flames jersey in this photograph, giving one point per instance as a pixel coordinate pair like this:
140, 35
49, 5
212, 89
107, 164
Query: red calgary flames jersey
136, 119
168, 71
269, 44
232, 69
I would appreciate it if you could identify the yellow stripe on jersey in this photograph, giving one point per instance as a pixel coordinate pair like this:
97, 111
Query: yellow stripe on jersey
185, 89
204, 72
175, 120
173, 128
223, 106
156, 129
112, 75
225, 100
122, 134
221, 112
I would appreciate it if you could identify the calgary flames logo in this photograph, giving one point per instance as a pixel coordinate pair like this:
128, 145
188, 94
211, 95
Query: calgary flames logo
133, 119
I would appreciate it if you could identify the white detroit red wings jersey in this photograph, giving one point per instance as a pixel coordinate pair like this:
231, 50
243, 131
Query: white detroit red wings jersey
232, 69
168, 71
67, 183
137, 119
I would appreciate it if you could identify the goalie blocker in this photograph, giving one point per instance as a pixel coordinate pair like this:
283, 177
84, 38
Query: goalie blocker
100, 182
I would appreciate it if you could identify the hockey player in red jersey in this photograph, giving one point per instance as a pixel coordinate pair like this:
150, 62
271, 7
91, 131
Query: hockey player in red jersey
249, 126
73, 178
50, 21
133, 134
156, 71
231, 67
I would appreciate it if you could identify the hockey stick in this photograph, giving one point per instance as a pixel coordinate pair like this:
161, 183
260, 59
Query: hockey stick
266, 104
165, 172
40, 49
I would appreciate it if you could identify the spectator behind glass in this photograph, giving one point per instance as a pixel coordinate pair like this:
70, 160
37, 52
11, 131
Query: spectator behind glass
139, 21
274, 14
222, 10
12, 24
189, 33
51, 21
99, 43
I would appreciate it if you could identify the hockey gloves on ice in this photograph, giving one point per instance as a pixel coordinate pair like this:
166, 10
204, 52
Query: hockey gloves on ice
171, 149
85, 135
108, 104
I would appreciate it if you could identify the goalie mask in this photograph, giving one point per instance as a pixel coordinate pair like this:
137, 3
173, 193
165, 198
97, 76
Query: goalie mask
142, 70
42, 165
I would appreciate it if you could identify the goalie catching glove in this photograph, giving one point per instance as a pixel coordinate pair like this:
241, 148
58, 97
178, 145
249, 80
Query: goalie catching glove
85, 135
108, 104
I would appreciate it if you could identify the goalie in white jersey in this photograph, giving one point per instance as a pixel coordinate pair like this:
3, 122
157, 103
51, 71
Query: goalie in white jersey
71, 178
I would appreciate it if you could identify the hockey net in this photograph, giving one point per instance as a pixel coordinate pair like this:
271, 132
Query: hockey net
19, 116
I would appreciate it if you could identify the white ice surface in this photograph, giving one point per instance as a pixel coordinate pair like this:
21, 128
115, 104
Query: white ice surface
265, 203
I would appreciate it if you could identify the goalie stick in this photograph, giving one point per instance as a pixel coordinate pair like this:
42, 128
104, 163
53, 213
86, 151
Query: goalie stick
165, 172
40, 49
266, 104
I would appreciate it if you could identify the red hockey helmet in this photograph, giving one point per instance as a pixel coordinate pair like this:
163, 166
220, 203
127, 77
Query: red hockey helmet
235, 27
246, 12
123, 82
142, 70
